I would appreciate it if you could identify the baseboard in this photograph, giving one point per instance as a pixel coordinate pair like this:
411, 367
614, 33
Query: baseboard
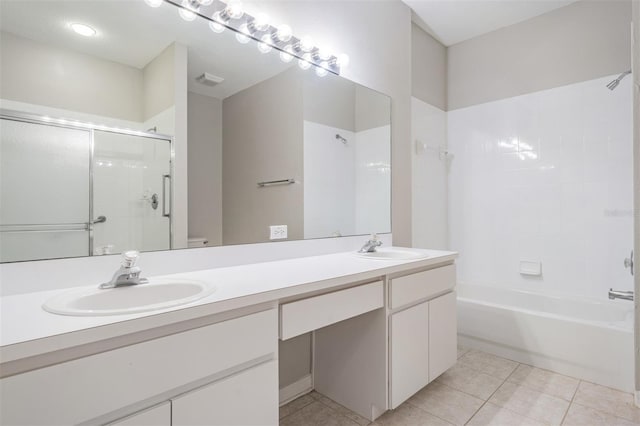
296, 389
637, 398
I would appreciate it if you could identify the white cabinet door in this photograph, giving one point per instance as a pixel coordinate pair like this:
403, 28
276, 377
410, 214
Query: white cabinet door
160, 415
247, 398
409, 352
443, 334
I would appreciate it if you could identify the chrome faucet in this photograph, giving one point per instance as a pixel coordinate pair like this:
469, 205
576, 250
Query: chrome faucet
625, 295
128, 273
370, 246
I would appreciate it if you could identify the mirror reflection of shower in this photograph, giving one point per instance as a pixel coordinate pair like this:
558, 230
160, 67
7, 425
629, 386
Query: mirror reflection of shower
617, 81
104, 190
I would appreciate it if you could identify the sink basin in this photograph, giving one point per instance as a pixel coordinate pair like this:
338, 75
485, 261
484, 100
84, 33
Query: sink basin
392, 253
156, 294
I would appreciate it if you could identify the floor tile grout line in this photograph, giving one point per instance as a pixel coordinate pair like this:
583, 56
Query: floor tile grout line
425, 411
337, 412
490, 396
570, 403
299, 409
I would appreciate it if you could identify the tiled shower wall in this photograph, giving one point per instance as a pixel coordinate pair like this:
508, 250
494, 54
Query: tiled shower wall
547, 177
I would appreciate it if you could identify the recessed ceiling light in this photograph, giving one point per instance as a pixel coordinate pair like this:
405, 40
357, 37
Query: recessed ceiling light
83, 30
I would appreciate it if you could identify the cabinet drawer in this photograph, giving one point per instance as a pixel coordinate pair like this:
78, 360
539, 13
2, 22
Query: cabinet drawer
316, 312
411, 288
247, 398
80, 390
159, 415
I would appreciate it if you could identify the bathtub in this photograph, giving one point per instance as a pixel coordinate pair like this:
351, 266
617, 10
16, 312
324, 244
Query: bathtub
587, 339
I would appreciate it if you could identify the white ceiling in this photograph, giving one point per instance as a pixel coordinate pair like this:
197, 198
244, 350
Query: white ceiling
453, 21
131, 33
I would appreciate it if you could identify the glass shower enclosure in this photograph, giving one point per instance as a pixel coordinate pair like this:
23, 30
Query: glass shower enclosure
70, 189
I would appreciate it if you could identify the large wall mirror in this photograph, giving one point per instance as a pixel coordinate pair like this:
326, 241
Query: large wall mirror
128, 127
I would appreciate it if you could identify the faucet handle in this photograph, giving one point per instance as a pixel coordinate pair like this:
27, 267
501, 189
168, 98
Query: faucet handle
130, 258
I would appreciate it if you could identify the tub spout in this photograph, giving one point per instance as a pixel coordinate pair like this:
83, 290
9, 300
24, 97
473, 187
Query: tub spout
615, 294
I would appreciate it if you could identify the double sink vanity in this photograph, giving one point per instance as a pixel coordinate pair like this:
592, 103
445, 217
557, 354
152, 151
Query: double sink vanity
202, 347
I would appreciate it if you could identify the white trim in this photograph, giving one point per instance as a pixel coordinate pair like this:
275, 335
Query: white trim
296, 389
637, 398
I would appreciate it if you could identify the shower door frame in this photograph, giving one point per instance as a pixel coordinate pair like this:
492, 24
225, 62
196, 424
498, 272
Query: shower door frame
25, 117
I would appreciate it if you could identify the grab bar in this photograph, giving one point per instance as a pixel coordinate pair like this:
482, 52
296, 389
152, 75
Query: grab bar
276, 182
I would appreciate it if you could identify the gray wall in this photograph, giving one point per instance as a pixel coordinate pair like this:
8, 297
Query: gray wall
582, 41
41, 74
205, 167
262, 134
159, 81
428, 68
372, 109
329, 101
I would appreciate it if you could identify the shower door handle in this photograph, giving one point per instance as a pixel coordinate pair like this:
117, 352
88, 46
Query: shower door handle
166, 213
628, 262
99, 219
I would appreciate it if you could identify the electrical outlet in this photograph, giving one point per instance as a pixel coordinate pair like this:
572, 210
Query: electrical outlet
277, 232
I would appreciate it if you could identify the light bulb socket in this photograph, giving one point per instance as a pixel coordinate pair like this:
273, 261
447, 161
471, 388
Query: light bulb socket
281, 34
234, 10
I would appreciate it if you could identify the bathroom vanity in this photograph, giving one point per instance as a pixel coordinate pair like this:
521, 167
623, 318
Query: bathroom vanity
382, 329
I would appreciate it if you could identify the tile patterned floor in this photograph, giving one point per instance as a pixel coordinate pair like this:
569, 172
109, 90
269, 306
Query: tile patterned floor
483, 389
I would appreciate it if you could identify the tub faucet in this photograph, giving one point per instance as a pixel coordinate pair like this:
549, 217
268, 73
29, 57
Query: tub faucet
370, 246
128, 273
625, 295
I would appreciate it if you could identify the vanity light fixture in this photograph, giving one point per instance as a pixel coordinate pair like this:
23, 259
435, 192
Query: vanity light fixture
282, 34
243, 34
188, 10
286, 54
154, 3
269, 37
82, 29
264, 46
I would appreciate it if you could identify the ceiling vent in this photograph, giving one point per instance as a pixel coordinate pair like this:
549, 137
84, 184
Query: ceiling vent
209, 79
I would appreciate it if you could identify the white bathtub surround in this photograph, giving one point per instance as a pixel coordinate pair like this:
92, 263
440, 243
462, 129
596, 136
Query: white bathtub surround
27, 277
430, 175
579, 337
346, 182
545, 176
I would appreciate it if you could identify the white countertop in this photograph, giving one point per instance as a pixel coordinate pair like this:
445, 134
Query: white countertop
27, 330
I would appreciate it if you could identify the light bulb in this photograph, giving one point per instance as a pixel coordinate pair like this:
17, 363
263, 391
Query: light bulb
154, 3
186, 12
324, 53
306, 44
264, 45
205, 2
343, 60
83, 30
321, 72
283, 33
217, 26
305, 62
242, 36
260, 22
287, 55
234, 10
